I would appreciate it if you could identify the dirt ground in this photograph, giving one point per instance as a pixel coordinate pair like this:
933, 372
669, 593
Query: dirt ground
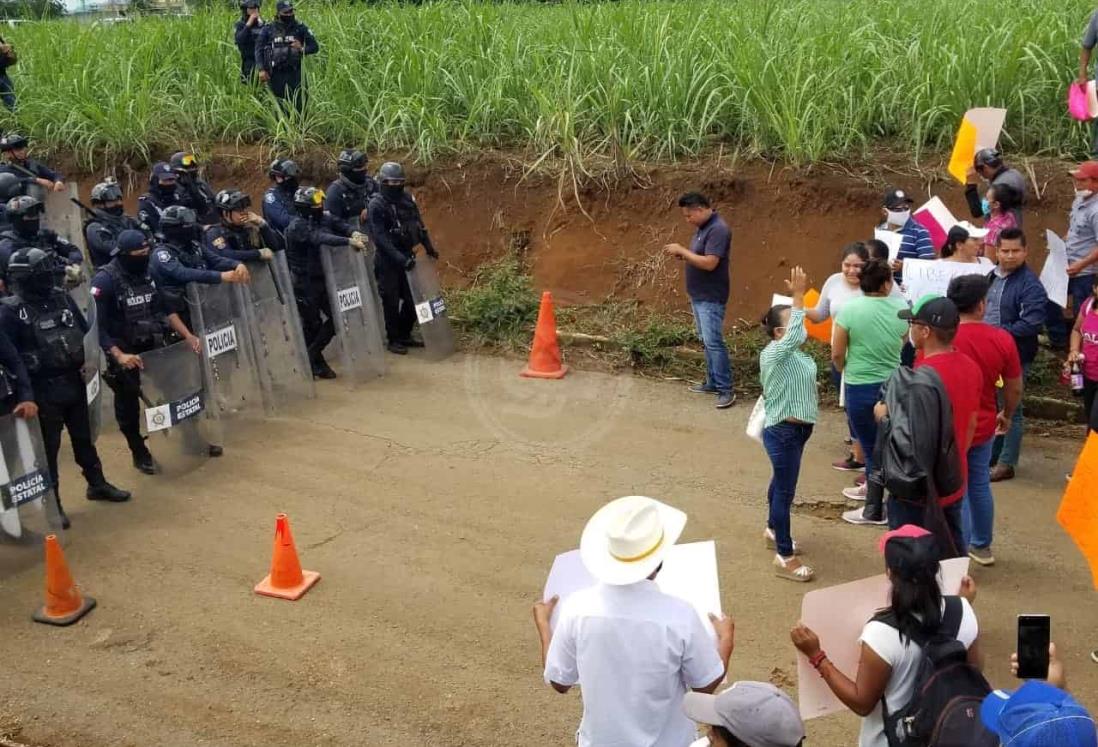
432, 502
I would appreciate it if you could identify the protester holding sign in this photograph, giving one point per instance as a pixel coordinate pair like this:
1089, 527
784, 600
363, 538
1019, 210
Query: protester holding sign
633, 650
897, 218
1002, 202
988, 165
788, 377
1016, 302
964, 244
1082, 251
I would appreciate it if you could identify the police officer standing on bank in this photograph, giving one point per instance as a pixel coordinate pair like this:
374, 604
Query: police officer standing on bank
163, 193
307, 236
396, 228
180, 258
241, 234
133, 319
106, 221
278, 200
279, 49
48, 329
15, 147
195, 192
25, 216
245, 31
349, 194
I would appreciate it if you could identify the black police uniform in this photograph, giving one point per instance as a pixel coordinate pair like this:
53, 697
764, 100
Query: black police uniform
241, 243
152, 204
396, 228
7, 90
306, 238
346, 200
275, 55
40, 170
101, 232
174, 263
245, 37
15, 384
278, 205
11, 241
49, 334
132, 316
198, 195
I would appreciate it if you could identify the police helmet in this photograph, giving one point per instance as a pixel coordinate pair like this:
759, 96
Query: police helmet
245, 4
10, 186
13, 141
33, 262
351, 159
284, 168
284, 7
162, 172
232, 199
130, 241
391, 173
107, 190
183, 163
309, 198
990, 157
177, 216
23, 206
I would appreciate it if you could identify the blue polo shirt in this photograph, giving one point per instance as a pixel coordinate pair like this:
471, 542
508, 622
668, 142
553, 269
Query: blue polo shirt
713, 238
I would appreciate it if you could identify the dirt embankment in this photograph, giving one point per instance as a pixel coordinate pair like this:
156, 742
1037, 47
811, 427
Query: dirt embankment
602, 239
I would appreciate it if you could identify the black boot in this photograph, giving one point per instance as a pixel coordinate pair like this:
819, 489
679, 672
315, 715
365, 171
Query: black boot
411, 342
65, 523
398, 348
143, 461
321, 369
104, 491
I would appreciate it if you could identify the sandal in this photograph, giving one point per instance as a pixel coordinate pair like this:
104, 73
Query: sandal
772, 542
793, 570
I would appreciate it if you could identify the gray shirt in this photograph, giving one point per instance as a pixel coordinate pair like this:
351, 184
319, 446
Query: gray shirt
993, 315
1082, 235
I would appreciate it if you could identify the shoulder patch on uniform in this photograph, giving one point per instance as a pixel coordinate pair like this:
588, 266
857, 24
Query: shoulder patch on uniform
96, 290
164, 255
219, 242
269, 198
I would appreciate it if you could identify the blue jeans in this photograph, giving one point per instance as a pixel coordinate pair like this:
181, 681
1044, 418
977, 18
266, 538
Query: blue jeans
1008, 448
979, 504
860, 400
784, 444
709, 320
1059, 329
902, 512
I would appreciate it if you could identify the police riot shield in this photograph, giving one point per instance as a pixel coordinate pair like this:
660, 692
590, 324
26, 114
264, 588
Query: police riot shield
175, 408
434, 325
369, 257
277, 342
93, 384
28, 504
361, 349
63, 216
228, 365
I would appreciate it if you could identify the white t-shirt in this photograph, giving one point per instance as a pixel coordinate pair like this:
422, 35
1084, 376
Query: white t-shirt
836, 292
635, 652
904, 660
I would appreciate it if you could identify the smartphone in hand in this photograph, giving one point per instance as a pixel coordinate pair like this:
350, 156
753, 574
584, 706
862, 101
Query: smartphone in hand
1034, 636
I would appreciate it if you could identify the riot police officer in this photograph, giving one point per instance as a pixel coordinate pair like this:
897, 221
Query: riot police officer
241, 235
133, 319
14, 147
396, 228
196, 192
48, 329
279, 49
25, 215
348, 195
245, 31
11, 186
180, 258
106, 221
163, 193
306, 237
278, 200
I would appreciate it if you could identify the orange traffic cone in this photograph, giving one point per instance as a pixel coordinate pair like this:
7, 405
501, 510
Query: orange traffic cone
286, 579
545, 352
64, 603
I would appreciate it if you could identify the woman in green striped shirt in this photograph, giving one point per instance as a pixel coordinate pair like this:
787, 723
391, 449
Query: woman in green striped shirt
788, 377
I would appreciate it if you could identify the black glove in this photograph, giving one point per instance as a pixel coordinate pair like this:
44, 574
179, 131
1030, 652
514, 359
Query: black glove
432, 253
409, 264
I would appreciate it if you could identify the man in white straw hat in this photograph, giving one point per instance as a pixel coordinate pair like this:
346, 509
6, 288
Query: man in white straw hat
633, 650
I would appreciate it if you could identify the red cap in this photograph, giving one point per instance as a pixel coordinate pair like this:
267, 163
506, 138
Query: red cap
1085, 170
907, 530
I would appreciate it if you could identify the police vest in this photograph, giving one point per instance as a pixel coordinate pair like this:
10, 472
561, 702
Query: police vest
142, 327
282, 53
54, 343
300, 249
407, 229
355, 196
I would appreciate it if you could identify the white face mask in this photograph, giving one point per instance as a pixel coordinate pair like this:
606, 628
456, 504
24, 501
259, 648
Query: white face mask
898, 218
910, 338
1084, 193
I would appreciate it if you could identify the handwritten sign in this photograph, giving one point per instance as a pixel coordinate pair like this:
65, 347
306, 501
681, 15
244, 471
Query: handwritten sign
923, 276
1054, 276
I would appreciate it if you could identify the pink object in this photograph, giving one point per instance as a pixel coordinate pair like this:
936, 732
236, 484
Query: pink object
1089, 330
1077, 102
935, 217
907, 530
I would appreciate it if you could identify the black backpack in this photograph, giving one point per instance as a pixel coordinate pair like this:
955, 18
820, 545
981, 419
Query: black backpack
944, 710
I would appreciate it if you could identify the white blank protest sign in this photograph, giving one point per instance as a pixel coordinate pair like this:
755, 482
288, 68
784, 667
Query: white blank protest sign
1054, 275
923, 276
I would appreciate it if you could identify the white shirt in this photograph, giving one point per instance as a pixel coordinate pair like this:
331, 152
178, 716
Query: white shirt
635, 652
904, 658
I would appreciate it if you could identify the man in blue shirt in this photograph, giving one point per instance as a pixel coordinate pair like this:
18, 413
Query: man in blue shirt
916, 243
707, 285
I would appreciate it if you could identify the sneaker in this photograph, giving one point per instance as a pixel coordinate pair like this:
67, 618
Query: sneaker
857, 516
104, 491
1094, 656
859, 480
702, 389
143, 462
397, 349
1001, 472
981, 555
726, 400
848, 465
855, 494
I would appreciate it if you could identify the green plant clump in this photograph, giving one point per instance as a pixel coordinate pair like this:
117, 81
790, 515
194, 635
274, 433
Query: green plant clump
500, 307
628, 80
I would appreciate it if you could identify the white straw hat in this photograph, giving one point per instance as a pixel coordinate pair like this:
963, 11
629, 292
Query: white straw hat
627, 539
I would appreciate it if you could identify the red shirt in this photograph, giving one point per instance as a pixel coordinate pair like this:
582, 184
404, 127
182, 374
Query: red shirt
964, 383
994, 351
